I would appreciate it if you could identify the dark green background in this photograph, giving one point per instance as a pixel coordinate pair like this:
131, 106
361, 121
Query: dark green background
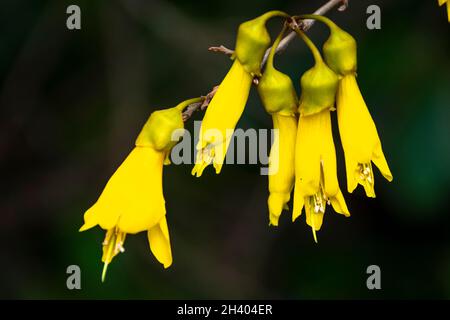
72, 103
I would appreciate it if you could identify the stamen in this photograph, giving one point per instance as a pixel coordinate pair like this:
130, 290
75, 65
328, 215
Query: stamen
114, 244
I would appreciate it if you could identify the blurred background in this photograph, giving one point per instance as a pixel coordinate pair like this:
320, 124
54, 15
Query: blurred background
72, 103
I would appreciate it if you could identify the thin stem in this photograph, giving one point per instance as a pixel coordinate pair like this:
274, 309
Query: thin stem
186, 103
275, 45
322, 19
275, 13
306, 25
310, 44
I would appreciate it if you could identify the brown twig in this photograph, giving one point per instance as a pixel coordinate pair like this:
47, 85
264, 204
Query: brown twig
304, 25
307, 24
221, 49
187, 113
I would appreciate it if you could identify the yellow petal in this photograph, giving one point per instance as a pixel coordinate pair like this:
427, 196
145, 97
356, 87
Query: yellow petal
381, 163
221, 117
351, 167
441, 2
448, 10
299, 202
327, 155
339, 205
359, 135
132, 199
307, 154
159, 241
281, 164
358, 132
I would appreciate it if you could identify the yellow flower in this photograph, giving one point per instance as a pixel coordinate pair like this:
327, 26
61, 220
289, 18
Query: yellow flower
358, 132
227, 105
280, 100
441, 2
316, 183
221, 116
359, 137
133, 199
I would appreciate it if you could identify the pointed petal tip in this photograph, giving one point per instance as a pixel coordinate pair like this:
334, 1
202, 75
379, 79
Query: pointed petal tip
196, 172
273, 220
295, 215
85, 227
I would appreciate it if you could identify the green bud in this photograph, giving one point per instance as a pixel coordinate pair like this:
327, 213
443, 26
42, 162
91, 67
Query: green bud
340, 51
319, 85
277, 92
252, 42
157, 131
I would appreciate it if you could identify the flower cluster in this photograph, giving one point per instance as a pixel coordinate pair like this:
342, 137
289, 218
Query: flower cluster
302, 158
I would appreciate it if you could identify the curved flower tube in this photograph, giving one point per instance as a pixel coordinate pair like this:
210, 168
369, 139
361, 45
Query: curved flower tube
132, 200
279, 99
358, 132
316, 183
227, 105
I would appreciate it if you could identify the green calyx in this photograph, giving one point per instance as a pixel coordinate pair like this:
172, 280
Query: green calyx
158, 131
318, 84
275, 88
253, 40
340, 48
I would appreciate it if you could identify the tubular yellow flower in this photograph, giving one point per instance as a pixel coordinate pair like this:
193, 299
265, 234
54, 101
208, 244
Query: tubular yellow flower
359, 137
227, 105
221, 116
316, 183
441, 2
133, 199
358, 132
280, 100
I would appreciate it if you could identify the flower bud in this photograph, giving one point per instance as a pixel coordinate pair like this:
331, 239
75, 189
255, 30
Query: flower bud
319, 86
252, 42
157, 131
277, 92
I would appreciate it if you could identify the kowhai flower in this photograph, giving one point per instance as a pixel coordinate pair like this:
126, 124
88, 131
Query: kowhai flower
316, 183
358, 132
227, 105
132, 200
280, 101
441, 2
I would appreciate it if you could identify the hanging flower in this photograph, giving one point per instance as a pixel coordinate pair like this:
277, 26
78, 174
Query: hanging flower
279, 99
316, 183
358, 132
133, 199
